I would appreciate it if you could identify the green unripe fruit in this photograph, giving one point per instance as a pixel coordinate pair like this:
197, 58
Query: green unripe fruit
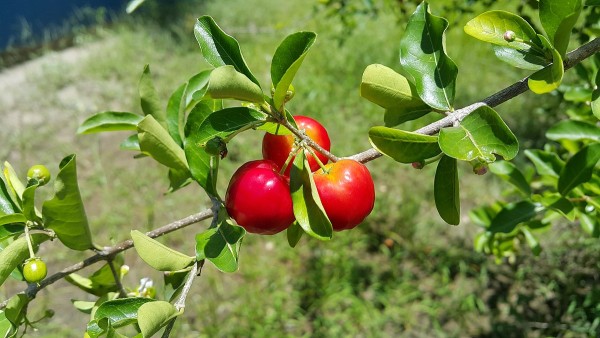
34, 270
40, 173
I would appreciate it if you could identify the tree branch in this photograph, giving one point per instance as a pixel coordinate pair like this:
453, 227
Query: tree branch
516, 89
109, 252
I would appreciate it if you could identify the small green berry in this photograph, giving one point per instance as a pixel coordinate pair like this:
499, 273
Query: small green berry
40, 173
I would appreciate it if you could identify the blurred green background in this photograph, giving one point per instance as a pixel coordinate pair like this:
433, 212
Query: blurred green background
402, 273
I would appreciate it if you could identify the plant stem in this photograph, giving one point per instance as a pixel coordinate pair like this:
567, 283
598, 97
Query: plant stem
28, 238
309, 141
109, 252
117, 277
516, 89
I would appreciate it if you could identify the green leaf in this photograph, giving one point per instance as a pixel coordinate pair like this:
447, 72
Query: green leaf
491, 26
511, 174
195, 118
154, 315
89, 286
287, 59
396, 116
579, 168
109, 121
195, 89
174, 281
294, 233
531, 241
176, 115
14, 183
524, 59
7, 329
275, 129
227, 83
308, 208
403, 146
120, 312
16, 253
549, 78
511, 215
446, 190
131, 143
388, 89
589, 224
480, 135
12, 218
546, 163
573, 130
224, 122
29, 209
596, 96
157, 255
221, 244
16, 309
149, 98
558, 17
557, 203
8, 199
203, 167
178, 179
218, 48
65, 213
156, 142
423, 57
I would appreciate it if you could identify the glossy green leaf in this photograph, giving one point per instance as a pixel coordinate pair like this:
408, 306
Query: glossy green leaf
579, 168
155, 315
574, 130
120, 312
7, 329
29, 209
491, 26
275, 129
480, 135
388, 89
155, 141
221, 244
596, 97
12, 218
195, 89
11, 231
8, 199
157, 255
176, 115
294, 233
558, 18
130, 143
65, 213
287, 59
227, 83
549, 78
308, 208
424, 59
203, 167
218, 48
16, 309
511, 215
524, 59
546, 163
109, 121
16, 253
13, 182
224, 122
195, 118
511, 174
149, 99
446, 190
403, 146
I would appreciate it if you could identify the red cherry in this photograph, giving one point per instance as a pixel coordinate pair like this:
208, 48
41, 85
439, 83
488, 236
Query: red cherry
258, 198
277, 147
347, 192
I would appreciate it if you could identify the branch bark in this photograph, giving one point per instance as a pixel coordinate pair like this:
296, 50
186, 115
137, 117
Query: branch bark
516, 89
109, 252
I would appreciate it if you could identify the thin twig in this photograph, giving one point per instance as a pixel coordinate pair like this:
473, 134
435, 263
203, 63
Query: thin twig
309, 141
117, 277
110, 252
516, 89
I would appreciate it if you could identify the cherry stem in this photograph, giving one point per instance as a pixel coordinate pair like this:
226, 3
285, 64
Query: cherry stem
321, 164
291, 155
309, 141
28, 238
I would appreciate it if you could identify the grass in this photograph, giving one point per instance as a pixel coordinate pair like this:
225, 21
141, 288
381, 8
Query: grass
401, 273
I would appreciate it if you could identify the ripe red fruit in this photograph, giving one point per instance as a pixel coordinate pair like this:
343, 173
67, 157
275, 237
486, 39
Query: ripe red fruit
347, 192
258, 198
277, 147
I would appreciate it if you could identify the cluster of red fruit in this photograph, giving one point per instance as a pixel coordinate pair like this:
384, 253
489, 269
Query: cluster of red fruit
258, 196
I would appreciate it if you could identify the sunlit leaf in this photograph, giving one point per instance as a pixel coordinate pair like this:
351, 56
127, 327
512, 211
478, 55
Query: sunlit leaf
149, 99
524, 59
157, 255
579, 168
492, 25
155, 141
423, 57
558, 18
403, 146
176, 115
109, 121
549, 78
153, 316
573, 130
227, 83
221, 244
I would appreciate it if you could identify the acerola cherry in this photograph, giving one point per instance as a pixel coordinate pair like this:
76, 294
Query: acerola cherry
258, 198
347, 192
277, 147
40, 173
34, 270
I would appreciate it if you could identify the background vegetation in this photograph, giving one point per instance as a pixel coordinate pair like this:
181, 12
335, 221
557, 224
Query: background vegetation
402, 273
